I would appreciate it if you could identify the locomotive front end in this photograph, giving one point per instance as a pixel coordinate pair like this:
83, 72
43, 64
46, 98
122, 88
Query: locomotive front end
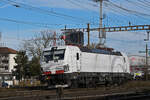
54, 65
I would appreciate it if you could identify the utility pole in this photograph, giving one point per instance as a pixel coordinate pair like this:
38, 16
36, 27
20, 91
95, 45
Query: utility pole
65, 27
88, 31
0, 39
101, 14
146, 72
101, 22
146, 66
102, 34
54, 39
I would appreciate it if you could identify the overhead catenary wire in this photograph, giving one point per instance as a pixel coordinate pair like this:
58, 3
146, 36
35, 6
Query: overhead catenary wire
147, 1
145, 17
139, 5
129, 11
3, 6
126, 14
38, 24
110, 6
78, 3
24, 22
118, 9
144, 3
115, 11
52, 13
88, 2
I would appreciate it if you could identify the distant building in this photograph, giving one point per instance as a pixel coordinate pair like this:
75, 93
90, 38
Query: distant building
138, 63
7, 63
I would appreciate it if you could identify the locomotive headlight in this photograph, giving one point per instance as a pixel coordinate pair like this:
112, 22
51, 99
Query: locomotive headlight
66, 68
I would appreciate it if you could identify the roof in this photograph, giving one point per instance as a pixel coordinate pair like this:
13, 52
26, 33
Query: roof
6, 50
101, 51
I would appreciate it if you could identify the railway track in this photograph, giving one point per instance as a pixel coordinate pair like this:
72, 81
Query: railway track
100, 93
113, 96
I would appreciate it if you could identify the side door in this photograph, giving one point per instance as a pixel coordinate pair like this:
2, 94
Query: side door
78, 61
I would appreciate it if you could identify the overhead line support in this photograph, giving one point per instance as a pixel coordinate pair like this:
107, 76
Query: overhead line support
116, 29
127, 28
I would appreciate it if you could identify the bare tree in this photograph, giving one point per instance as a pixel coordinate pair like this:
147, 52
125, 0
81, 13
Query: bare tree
35, 45
92, 45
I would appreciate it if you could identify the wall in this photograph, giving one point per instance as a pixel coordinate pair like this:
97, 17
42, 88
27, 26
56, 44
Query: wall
11, 61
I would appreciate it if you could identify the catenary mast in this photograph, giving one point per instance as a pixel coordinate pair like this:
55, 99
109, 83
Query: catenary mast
102, 33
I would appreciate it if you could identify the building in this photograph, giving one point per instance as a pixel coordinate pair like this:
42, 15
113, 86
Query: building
138, 63
7, 64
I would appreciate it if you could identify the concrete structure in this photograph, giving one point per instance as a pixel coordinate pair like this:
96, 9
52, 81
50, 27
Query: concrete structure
7, 64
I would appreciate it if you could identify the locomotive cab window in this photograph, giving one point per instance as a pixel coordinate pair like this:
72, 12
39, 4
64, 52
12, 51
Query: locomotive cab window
57, 54
77, 56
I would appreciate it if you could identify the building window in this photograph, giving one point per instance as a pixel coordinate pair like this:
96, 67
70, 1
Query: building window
6, 67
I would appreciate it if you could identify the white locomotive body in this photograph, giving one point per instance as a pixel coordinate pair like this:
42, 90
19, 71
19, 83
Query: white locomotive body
74, 66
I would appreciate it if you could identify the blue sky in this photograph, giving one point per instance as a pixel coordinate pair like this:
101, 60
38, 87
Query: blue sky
74, 14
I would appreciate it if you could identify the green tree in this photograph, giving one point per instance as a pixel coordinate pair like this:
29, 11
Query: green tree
21, 61
35, 67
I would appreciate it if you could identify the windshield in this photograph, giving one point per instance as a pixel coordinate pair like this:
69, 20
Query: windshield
54, 55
